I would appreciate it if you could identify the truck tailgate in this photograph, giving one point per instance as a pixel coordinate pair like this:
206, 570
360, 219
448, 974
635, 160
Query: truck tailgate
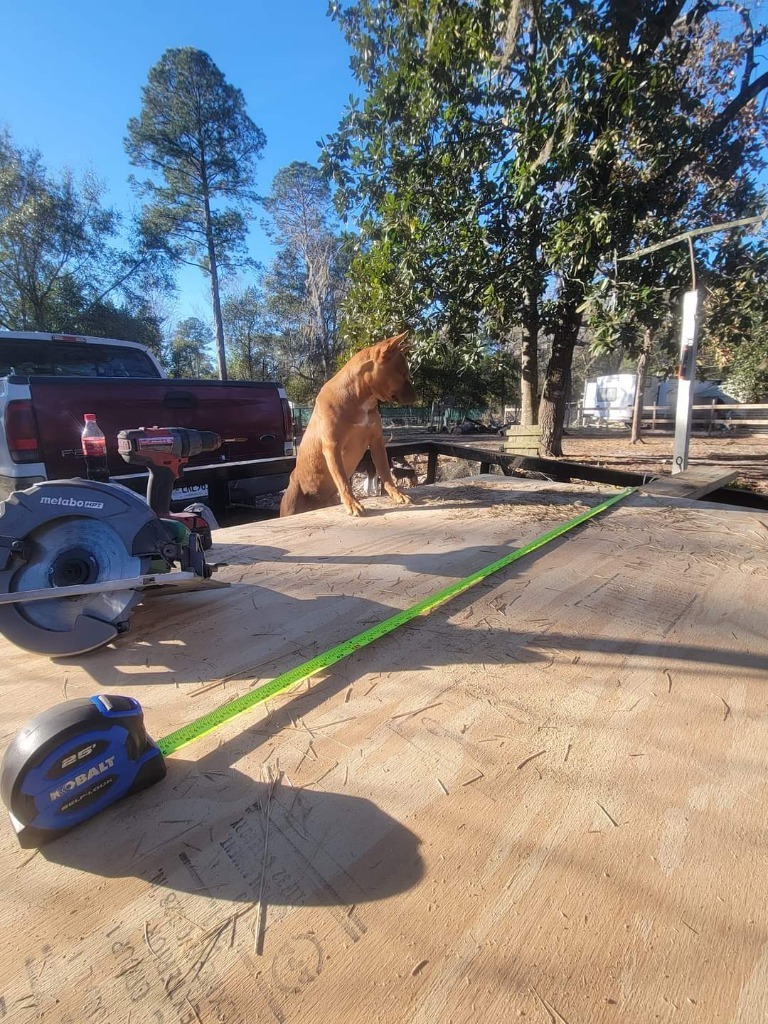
249, 411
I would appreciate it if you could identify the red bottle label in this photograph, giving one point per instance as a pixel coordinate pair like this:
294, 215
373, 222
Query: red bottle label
94, 446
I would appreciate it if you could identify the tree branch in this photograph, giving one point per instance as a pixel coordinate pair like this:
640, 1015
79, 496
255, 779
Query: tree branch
715, 128
658, 26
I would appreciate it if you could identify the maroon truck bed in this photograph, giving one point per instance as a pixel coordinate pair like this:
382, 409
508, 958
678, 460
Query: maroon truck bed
248, 410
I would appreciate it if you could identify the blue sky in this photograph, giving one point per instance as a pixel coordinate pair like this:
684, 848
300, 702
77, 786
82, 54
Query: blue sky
72, 75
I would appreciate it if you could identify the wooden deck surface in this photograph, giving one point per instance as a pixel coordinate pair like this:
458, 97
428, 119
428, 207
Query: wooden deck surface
545, 801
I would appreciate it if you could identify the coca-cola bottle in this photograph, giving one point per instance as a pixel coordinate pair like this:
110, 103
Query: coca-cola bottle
94, 449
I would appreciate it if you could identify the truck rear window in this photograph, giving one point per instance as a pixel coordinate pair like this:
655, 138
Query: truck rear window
68, 359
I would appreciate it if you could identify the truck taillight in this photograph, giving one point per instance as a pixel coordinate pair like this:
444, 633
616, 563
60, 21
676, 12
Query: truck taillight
21, 431
287, 419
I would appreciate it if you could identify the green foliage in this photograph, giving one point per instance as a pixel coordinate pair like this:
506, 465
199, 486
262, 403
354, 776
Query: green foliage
193, 134
247, 330
189, 351
747, 376
445, 375
618, 313
60, 269
300, 390
134, 321
503, 153
735, 328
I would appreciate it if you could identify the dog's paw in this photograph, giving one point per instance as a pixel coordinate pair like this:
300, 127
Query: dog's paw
398, 496
354, 508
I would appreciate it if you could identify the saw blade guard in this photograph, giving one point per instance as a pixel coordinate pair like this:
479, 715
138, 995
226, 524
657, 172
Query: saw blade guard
63, 533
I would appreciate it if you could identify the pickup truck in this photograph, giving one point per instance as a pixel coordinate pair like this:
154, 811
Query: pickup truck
49, 381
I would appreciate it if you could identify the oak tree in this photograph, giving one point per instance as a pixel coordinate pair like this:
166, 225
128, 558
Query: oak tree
505, 151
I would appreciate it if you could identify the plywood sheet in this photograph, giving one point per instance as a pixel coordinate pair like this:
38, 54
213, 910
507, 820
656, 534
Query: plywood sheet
544, 801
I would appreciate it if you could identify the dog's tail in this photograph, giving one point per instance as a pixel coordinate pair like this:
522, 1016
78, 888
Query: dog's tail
290, 499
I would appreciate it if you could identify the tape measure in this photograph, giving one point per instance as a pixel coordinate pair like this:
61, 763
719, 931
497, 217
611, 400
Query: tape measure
75, 759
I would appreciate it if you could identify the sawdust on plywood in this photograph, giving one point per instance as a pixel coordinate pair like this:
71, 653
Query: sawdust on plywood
520, 506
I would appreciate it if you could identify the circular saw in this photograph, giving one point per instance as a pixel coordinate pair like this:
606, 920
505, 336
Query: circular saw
77, 555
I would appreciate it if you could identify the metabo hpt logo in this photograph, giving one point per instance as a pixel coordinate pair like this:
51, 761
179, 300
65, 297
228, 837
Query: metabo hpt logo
71, 502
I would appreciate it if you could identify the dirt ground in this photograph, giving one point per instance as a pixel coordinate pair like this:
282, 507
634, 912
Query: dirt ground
742, 450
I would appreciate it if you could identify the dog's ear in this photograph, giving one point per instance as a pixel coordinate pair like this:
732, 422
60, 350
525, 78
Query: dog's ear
386, 349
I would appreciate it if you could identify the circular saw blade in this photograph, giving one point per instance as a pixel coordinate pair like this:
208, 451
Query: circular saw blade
76, 550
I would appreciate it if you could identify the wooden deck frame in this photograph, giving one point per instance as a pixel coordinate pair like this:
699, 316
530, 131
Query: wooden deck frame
471, 451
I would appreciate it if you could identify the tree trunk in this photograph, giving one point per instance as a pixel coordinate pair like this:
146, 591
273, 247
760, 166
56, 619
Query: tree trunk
642, 376
218, 322
529, 360
555, 393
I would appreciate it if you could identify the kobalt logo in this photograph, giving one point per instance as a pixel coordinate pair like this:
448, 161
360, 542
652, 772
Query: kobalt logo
71, 502
80, 780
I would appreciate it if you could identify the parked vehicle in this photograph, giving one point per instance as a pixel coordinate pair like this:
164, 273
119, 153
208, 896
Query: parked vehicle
611, 399
49, 381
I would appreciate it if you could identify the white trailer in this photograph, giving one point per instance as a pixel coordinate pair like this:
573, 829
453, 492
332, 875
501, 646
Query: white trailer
611, 399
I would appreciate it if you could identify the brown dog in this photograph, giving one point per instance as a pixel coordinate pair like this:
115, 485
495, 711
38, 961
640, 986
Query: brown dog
344, 423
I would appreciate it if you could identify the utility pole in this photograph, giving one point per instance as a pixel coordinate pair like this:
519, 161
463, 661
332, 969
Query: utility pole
689, 340
686, 379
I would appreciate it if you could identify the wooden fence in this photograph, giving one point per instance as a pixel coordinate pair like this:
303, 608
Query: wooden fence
713, 415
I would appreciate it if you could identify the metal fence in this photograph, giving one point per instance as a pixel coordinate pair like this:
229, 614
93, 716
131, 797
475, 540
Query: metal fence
427, 416
435, 415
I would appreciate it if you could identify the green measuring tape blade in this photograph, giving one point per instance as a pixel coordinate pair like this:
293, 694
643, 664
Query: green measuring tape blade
207, 723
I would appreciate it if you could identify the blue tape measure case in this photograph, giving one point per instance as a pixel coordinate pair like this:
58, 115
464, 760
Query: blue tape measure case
74, 760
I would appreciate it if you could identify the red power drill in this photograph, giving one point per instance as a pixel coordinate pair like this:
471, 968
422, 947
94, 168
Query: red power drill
163, 451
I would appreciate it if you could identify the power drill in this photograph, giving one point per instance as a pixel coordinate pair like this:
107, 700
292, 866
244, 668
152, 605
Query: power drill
163, 451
